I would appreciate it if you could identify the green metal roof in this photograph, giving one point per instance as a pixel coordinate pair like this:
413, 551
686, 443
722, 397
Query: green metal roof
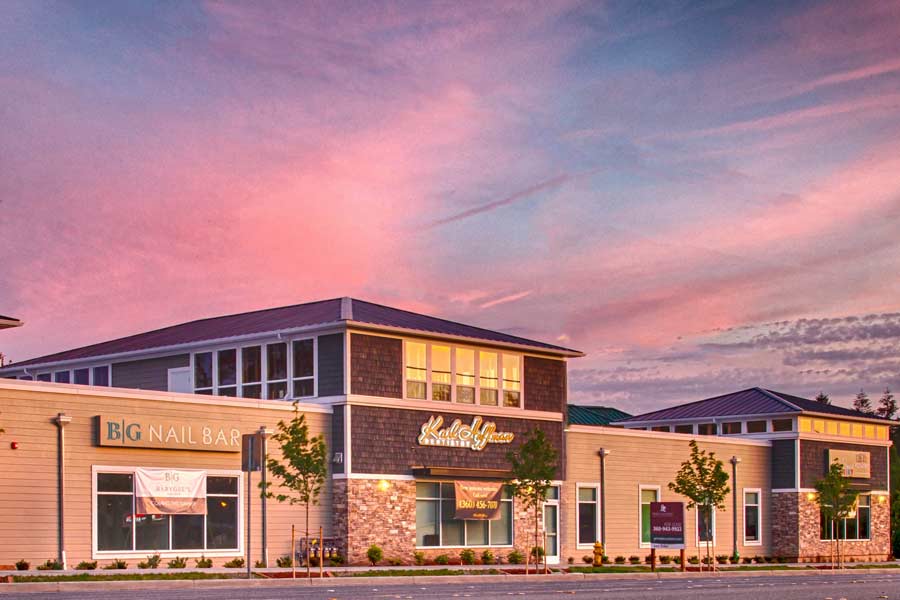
594, 415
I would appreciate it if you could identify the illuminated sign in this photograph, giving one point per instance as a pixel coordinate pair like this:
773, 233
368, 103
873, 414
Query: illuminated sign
475, 436
167, 434
855, 463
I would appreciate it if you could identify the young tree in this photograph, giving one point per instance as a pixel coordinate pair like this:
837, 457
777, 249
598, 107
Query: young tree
533, 469
862, 403
887, 405
823, 398
304, 469
703, 480
836, 501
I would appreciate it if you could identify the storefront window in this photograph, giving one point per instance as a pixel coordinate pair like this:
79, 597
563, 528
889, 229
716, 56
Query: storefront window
465, 376
855, 527
512, 380
120, 529
437, 527
751, 516
440, 373
488, 379
304, 367
587, 515
203, 373
706, 525
227, 376
416, 371
648, 495
251, 372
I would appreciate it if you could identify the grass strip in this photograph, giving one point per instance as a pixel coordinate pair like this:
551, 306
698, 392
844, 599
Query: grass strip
121, 577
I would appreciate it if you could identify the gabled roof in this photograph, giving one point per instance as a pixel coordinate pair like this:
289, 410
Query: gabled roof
749, 402
594, 415
336, 311
7, 322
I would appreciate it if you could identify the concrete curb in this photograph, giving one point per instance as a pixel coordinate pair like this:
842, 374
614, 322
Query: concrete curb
162, 584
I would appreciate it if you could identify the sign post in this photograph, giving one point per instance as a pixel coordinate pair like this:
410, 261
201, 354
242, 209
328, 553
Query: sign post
251, 452
666, 528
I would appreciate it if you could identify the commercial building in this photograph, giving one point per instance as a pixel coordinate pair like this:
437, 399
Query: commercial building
416, 412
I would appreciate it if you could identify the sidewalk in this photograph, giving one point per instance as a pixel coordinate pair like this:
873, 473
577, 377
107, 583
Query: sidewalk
334, 582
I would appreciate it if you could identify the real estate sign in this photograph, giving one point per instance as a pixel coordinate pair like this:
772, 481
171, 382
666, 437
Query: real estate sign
667, 525
856, 464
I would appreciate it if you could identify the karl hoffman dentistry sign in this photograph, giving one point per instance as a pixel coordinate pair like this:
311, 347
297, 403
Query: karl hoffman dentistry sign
168, 434
474, 436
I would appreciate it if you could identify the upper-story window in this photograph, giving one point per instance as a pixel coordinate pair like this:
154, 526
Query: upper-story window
463, 375
275, 371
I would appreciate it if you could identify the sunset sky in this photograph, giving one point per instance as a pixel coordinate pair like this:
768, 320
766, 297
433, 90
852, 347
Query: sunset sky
701, 196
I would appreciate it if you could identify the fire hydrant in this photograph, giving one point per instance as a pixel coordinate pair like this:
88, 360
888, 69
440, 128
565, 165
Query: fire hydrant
598, 554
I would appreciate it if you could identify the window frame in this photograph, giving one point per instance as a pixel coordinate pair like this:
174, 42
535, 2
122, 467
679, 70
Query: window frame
759, 516
71, 374
440, 502
641, 488
842, 522
263, 368
578, 502
215, 553
454, 383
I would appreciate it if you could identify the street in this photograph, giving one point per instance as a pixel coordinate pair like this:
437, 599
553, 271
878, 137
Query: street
809, 587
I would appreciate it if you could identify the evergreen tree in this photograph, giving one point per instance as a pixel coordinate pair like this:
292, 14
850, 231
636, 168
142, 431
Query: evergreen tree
823, 398
862, 403
887, 405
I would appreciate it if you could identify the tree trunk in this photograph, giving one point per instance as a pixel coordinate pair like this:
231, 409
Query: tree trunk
308, 545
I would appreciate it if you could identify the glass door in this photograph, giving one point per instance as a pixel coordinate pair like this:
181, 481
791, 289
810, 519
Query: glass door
551, 525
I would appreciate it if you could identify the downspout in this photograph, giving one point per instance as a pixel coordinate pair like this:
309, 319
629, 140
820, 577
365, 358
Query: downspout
603, 453
61, 421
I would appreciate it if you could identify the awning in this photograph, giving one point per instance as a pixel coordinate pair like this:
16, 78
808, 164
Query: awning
460, 473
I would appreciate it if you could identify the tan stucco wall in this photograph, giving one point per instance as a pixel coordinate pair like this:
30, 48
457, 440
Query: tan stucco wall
642, 458
28, 490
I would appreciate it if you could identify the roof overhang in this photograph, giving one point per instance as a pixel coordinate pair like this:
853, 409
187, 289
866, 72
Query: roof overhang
460, 473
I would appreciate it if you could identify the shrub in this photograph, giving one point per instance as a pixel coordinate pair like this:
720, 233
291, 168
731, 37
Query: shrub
336, 560
116, 564
603, 559
735, 559
635, 560
707, 560
152, 562
487, 557
442, 559
747, 560
587, 559
259, 565
234, 563
722, 559
620, 560
419, 558
676, 560
515, 558
86, 565
537, 553
374, 554
178, 563
648, 559
694, 560
203, 562
769, 559
784, 559
665, 559
571, 560
285, 561
467, 556
23, 565
51, 564
395, 562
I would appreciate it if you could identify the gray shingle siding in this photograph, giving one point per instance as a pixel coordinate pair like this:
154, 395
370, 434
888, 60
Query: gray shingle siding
331, 364
148, 374
784, 464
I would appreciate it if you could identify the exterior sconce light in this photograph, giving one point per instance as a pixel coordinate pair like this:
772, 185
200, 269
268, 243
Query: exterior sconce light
383, 485
881, 499
810, 496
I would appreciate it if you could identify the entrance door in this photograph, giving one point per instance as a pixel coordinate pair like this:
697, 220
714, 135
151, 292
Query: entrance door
551, 525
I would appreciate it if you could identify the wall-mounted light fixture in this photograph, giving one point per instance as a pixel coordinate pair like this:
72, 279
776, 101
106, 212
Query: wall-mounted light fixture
383, 485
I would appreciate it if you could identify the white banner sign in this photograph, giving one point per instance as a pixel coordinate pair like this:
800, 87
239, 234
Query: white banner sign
169, 492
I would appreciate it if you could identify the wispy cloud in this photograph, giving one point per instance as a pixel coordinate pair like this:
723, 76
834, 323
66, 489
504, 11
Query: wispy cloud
506, 299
